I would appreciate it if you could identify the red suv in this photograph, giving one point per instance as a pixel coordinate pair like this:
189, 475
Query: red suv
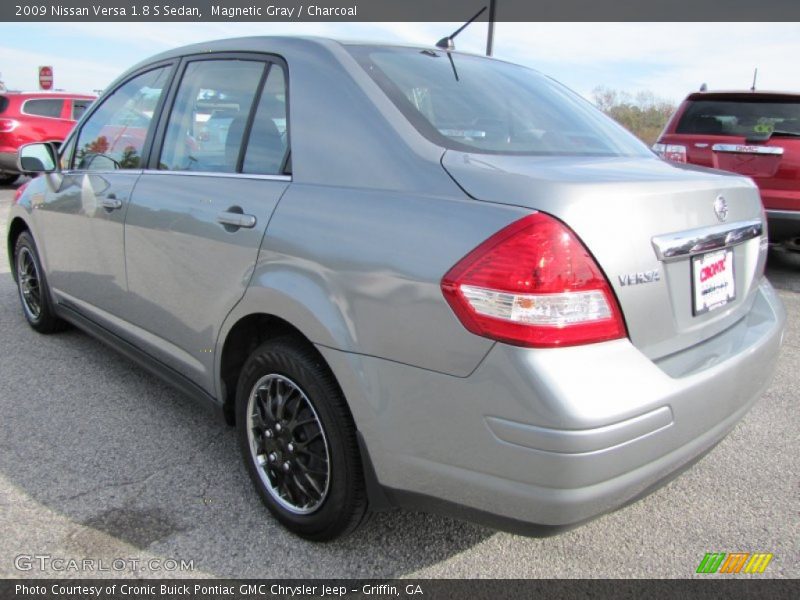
35, 117
753, 133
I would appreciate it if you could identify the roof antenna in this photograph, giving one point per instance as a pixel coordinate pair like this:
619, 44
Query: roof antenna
446, 43
703, 87
490, 30
755, 76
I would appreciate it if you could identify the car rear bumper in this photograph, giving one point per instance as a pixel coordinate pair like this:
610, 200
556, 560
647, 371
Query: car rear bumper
554, 437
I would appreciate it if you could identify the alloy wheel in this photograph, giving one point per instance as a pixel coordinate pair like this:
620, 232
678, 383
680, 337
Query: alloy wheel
288, 444
29, 283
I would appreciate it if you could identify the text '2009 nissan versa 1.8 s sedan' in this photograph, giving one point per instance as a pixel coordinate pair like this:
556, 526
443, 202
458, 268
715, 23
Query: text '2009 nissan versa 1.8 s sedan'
409, 277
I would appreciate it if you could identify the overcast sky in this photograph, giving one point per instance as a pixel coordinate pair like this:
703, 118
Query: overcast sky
669, 59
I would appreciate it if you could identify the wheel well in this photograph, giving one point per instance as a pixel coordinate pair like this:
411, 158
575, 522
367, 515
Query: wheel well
17, 226
247, 335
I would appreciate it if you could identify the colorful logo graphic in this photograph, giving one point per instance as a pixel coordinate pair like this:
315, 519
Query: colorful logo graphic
734, 562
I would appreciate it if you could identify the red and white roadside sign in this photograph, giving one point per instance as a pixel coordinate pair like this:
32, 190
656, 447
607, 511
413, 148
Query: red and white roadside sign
45, 78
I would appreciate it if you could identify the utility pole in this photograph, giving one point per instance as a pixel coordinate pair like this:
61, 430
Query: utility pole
490, 37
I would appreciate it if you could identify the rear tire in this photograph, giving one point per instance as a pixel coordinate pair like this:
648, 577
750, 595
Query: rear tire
34, 293
298, 441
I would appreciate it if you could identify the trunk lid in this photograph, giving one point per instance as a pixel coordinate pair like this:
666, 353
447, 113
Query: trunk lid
628, 211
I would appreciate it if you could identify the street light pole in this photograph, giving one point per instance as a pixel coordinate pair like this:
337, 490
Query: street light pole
490, 38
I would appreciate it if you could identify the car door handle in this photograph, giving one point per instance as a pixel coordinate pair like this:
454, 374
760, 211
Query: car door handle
111, 202
236, 219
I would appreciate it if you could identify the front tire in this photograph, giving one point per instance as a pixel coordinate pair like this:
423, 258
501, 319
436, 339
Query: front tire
299, 441
34, 293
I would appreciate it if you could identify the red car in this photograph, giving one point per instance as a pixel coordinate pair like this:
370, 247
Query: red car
750, 132
35, 117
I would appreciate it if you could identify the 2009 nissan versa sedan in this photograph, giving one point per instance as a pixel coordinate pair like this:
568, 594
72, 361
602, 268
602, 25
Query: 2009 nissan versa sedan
409, 277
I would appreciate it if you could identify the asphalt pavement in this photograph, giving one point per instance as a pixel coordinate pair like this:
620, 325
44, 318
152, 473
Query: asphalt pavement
99, 460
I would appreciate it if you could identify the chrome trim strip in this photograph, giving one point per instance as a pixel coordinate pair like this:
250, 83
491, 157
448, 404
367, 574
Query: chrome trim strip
747, 149
213, 174
194, 173
674, 246
103, 172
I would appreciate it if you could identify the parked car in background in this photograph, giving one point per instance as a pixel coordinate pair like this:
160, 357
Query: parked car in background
35, 117
410, 277
753, 133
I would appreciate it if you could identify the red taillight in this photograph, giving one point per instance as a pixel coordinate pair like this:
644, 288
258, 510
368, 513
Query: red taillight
534, 284
673, 152
8, 125
20, 189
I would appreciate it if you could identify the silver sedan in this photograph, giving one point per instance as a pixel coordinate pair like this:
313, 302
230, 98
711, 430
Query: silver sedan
409, 276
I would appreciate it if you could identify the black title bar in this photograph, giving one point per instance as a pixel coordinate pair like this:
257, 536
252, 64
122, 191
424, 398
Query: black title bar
399, 10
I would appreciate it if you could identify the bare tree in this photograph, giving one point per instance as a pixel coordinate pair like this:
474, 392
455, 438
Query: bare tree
644, 114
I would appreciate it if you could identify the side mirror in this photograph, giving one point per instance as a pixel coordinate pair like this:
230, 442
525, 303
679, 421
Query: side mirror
38, 158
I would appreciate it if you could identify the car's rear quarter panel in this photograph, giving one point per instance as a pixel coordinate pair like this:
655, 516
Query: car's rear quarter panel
360, 271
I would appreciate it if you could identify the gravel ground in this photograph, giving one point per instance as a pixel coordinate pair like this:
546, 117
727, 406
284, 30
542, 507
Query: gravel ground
99, 459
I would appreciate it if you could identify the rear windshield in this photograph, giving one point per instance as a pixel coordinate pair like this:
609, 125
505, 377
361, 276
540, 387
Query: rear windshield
474, 104
740, 117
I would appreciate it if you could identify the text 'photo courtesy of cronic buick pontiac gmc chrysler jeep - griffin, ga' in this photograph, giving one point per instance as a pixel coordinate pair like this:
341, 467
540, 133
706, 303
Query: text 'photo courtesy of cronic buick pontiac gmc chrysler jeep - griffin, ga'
410, 277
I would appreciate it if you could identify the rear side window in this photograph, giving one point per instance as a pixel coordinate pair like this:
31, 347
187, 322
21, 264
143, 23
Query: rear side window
740, 117
210, 115
269, 136
114, 135
43, 107
79, 107
3, 104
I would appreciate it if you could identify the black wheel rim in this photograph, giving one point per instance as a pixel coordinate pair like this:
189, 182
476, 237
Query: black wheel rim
30, 289
288, 444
